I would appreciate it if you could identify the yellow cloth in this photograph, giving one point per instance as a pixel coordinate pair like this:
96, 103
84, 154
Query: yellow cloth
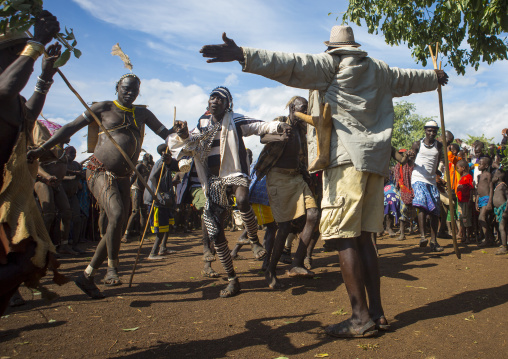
289, 196
19, 213
352, 202
263, 213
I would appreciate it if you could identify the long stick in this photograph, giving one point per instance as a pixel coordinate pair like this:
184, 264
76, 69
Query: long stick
106, 132
103, 129
447, 168
149, 214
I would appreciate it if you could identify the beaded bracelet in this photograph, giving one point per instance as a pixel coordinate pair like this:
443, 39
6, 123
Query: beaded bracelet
43, 86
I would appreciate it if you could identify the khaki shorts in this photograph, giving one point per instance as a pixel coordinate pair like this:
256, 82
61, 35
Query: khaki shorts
289, 196
352, 203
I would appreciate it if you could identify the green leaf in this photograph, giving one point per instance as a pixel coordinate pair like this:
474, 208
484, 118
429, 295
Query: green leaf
51, 321
77, 53
130, 329
62, 60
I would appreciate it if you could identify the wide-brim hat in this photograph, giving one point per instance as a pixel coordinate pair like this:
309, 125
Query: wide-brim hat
431, 124
342, 35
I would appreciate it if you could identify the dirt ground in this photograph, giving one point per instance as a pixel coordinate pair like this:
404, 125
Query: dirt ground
439, 307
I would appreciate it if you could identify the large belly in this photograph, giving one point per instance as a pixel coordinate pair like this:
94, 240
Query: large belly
110, 156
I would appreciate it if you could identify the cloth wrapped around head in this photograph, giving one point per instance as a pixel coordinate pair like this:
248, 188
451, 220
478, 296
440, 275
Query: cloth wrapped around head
223, 92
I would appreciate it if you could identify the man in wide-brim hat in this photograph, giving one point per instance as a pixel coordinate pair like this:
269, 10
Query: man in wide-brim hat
359, 90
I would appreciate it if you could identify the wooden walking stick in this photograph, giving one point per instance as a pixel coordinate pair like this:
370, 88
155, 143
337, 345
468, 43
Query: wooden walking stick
149, 214
447, 168
103, 129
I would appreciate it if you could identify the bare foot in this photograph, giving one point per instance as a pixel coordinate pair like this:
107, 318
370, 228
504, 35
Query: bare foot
300, 272
272, 280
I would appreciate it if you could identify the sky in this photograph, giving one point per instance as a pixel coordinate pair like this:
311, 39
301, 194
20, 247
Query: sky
163, 38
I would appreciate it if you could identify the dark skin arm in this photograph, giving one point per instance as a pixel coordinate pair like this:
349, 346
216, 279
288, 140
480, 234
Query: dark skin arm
154, 124
36, 102
491, 192
16, 75
400, 158
65, 132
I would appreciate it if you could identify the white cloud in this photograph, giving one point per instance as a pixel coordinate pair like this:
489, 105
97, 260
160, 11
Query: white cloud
231, 80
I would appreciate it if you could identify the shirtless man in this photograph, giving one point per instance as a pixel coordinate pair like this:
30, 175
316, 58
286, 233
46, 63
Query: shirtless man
485, 191
108, 174
71, 185
289, 194
423, 180
25, 248
138, 214
500, 207
51, 194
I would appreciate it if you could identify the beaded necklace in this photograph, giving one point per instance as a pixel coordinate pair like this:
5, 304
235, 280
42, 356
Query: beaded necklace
131, 110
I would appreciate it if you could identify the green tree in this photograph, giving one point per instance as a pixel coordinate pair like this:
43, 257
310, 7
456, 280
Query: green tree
407, 125
20, 15
486, 140
469, 31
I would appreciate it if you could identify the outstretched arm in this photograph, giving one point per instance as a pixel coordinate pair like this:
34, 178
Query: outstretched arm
226, 52
65, 132
14, 78
156, 126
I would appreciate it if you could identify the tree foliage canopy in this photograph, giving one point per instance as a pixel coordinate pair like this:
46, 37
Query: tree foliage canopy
20, 15
407, 125
471, 139
481, 24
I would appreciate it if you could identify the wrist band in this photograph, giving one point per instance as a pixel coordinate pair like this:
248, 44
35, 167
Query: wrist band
33, 49
43, 86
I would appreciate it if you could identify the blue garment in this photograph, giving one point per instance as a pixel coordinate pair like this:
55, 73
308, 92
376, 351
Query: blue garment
426, 197
84, 198
392, 201
258, 192
483, 201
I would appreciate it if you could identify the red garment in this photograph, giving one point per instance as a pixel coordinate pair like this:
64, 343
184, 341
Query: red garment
403, 182
464, 194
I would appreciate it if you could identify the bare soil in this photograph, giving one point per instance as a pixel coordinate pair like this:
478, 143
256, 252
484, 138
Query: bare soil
439, 307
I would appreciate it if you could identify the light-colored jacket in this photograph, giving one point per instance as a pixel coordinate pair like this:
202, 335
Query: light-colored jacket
359, 90
230, 162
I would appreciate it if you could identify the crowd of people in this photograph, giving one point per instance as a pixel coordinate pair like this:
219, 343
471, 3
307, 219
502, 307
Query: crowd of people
477, 180
320, 174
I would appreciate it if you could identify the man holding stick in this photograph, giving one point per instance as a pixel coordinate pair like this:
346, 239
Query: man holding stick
359, 91
25, 246
221, 161
108, 172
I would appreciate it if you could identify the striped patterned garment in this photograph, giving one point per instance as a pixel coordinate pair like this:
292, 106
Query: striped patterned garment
241, 123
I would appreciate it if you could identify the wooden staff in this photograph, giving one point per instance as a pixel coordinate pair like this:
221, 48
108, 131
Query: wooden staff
149, 214
447, 168
103, 129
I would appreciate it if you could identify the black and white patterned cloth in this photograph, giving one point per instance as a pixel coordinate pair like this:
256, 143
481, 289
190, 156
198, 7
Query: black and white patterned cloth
217, 202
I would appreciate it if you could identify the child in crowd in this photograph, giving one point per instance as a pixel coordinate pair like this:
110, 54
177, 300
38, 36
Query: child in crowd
485, 191
464, 195
500, 210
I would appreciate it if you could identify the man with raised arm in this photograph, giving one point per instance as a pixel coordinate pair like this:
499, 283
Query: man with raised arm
359, 91
221, 161
108, 174
25, 246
